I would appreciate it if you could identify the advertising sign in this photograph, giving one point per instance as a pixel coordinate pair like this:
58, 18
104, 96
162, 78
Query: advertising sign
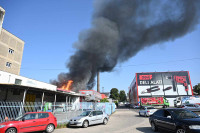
152, 100
164, 83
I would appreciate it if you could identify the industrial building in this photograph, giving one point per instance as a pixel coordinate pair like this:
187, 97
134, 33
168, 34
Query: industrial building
160, 84
11, 49
16, 88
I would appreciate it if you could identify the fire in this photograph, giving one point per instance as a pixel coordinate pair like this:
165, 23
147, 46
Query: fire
68, 85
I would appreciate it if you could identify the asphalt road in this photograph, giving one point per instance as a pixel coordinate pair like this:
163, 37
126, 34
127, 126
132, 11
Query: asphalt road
122, 121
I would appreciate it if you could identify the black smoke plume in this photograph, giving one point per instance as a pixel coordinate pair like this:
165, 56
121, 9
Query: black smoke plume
121, 28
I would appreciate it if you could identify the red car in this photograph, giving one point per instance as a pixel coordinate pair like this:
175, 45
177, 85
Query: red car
30, 122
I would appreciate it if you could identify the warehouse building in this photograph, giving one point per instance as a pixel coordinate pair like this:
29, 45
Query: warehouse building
160, 84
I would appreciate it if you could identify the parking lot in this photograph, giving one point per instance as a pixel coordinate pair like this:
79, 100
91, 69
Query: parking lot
123, 120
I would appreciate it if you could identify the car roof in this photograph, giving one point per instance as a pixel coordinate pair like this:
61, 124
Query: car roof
171, 109
149, 106
36, 112
190, 104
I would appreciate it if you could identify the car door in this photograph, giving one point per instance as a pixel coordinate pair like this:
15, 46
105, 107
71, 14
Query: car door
99, 115
142, 110
158, 116
168, 122
92, 118
145, 111
29, 123
42, 121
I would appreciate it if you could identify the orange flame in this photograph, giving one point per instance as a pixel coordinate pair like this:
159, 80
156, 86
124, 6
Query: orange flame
67, 86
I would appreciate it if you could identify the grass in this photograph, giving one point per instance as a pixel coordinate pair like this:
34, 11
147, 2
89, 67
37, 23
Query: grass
61, 125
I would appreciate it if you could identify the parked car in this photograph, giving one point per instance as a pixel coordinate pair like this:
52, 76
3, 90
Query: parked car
192, 107
127, 105
147, 111
89, 118
30, 122
175, 120
135, 106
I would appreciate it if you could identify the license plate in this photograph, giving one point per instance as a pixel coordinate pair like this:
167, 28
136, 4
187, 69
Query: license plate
72, 122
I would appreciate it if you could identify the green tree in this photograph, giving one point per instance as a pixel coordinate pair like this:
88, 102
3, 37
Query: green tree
104, 100
114, 94
122, 96
196, 88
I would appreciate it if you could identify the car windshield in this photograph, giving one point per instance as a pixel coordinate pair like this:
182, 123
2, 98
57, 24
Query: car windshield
19, 118
85, 113
184, 114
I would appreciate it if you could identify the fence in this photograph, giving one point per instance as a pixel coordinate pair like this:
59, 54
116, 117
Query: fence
62, 111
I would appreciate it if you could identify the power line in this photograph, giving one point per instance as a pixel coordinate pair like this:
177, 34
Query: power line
163, 62
61, 69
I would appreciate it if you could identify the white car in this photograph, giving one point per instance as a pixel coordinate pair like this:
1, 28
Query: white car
89, 118
147, 111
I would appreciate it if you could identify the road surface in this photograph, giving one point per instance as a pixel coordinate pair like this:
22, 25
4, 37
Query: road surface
122, 121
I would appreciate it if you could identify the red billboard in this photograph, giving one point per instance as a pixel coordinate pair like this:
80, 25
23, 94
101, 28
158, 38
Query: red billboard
152, 100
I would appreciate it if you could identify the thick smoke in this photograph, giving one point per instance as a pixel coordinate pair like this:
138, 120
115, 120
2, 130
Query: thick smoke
120, 29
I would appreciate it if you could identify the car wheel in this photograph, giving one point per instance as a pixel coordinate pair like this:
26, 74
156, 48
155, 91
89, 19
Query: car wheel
139, 114
154, 127
180, 130
11, 130
50, 128
105, 121
85, 124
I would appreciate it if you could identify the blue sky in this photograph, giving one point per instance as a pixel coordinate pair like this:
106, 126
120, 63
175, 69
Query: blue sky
49, 29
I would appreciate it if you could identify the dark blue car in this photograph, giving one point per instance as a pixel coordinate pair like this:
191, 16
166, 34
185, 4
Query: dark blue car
175, 120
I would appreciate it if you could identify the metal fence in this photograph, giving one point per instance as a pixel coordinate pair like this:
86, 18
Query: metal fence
62, 111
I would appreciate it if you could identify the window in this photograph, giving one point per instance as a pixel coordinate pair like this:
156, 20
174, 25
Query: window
99, 113
30, 116
18, 81
166, 113
43, 115
11, 51
8, 64
159, 113
94, 113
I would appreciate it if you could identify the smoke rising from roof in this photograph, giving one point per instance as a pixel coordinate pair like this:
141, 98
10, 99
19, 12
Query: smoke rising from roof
120, 29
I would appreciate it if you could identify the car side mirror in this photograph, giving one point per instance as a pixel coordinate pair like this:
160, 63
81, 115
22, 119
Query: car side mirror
169, 117
23, 119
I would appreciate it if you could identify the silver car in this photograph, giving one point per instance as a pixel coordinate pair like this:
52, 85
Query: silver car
89, 118
147, 111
